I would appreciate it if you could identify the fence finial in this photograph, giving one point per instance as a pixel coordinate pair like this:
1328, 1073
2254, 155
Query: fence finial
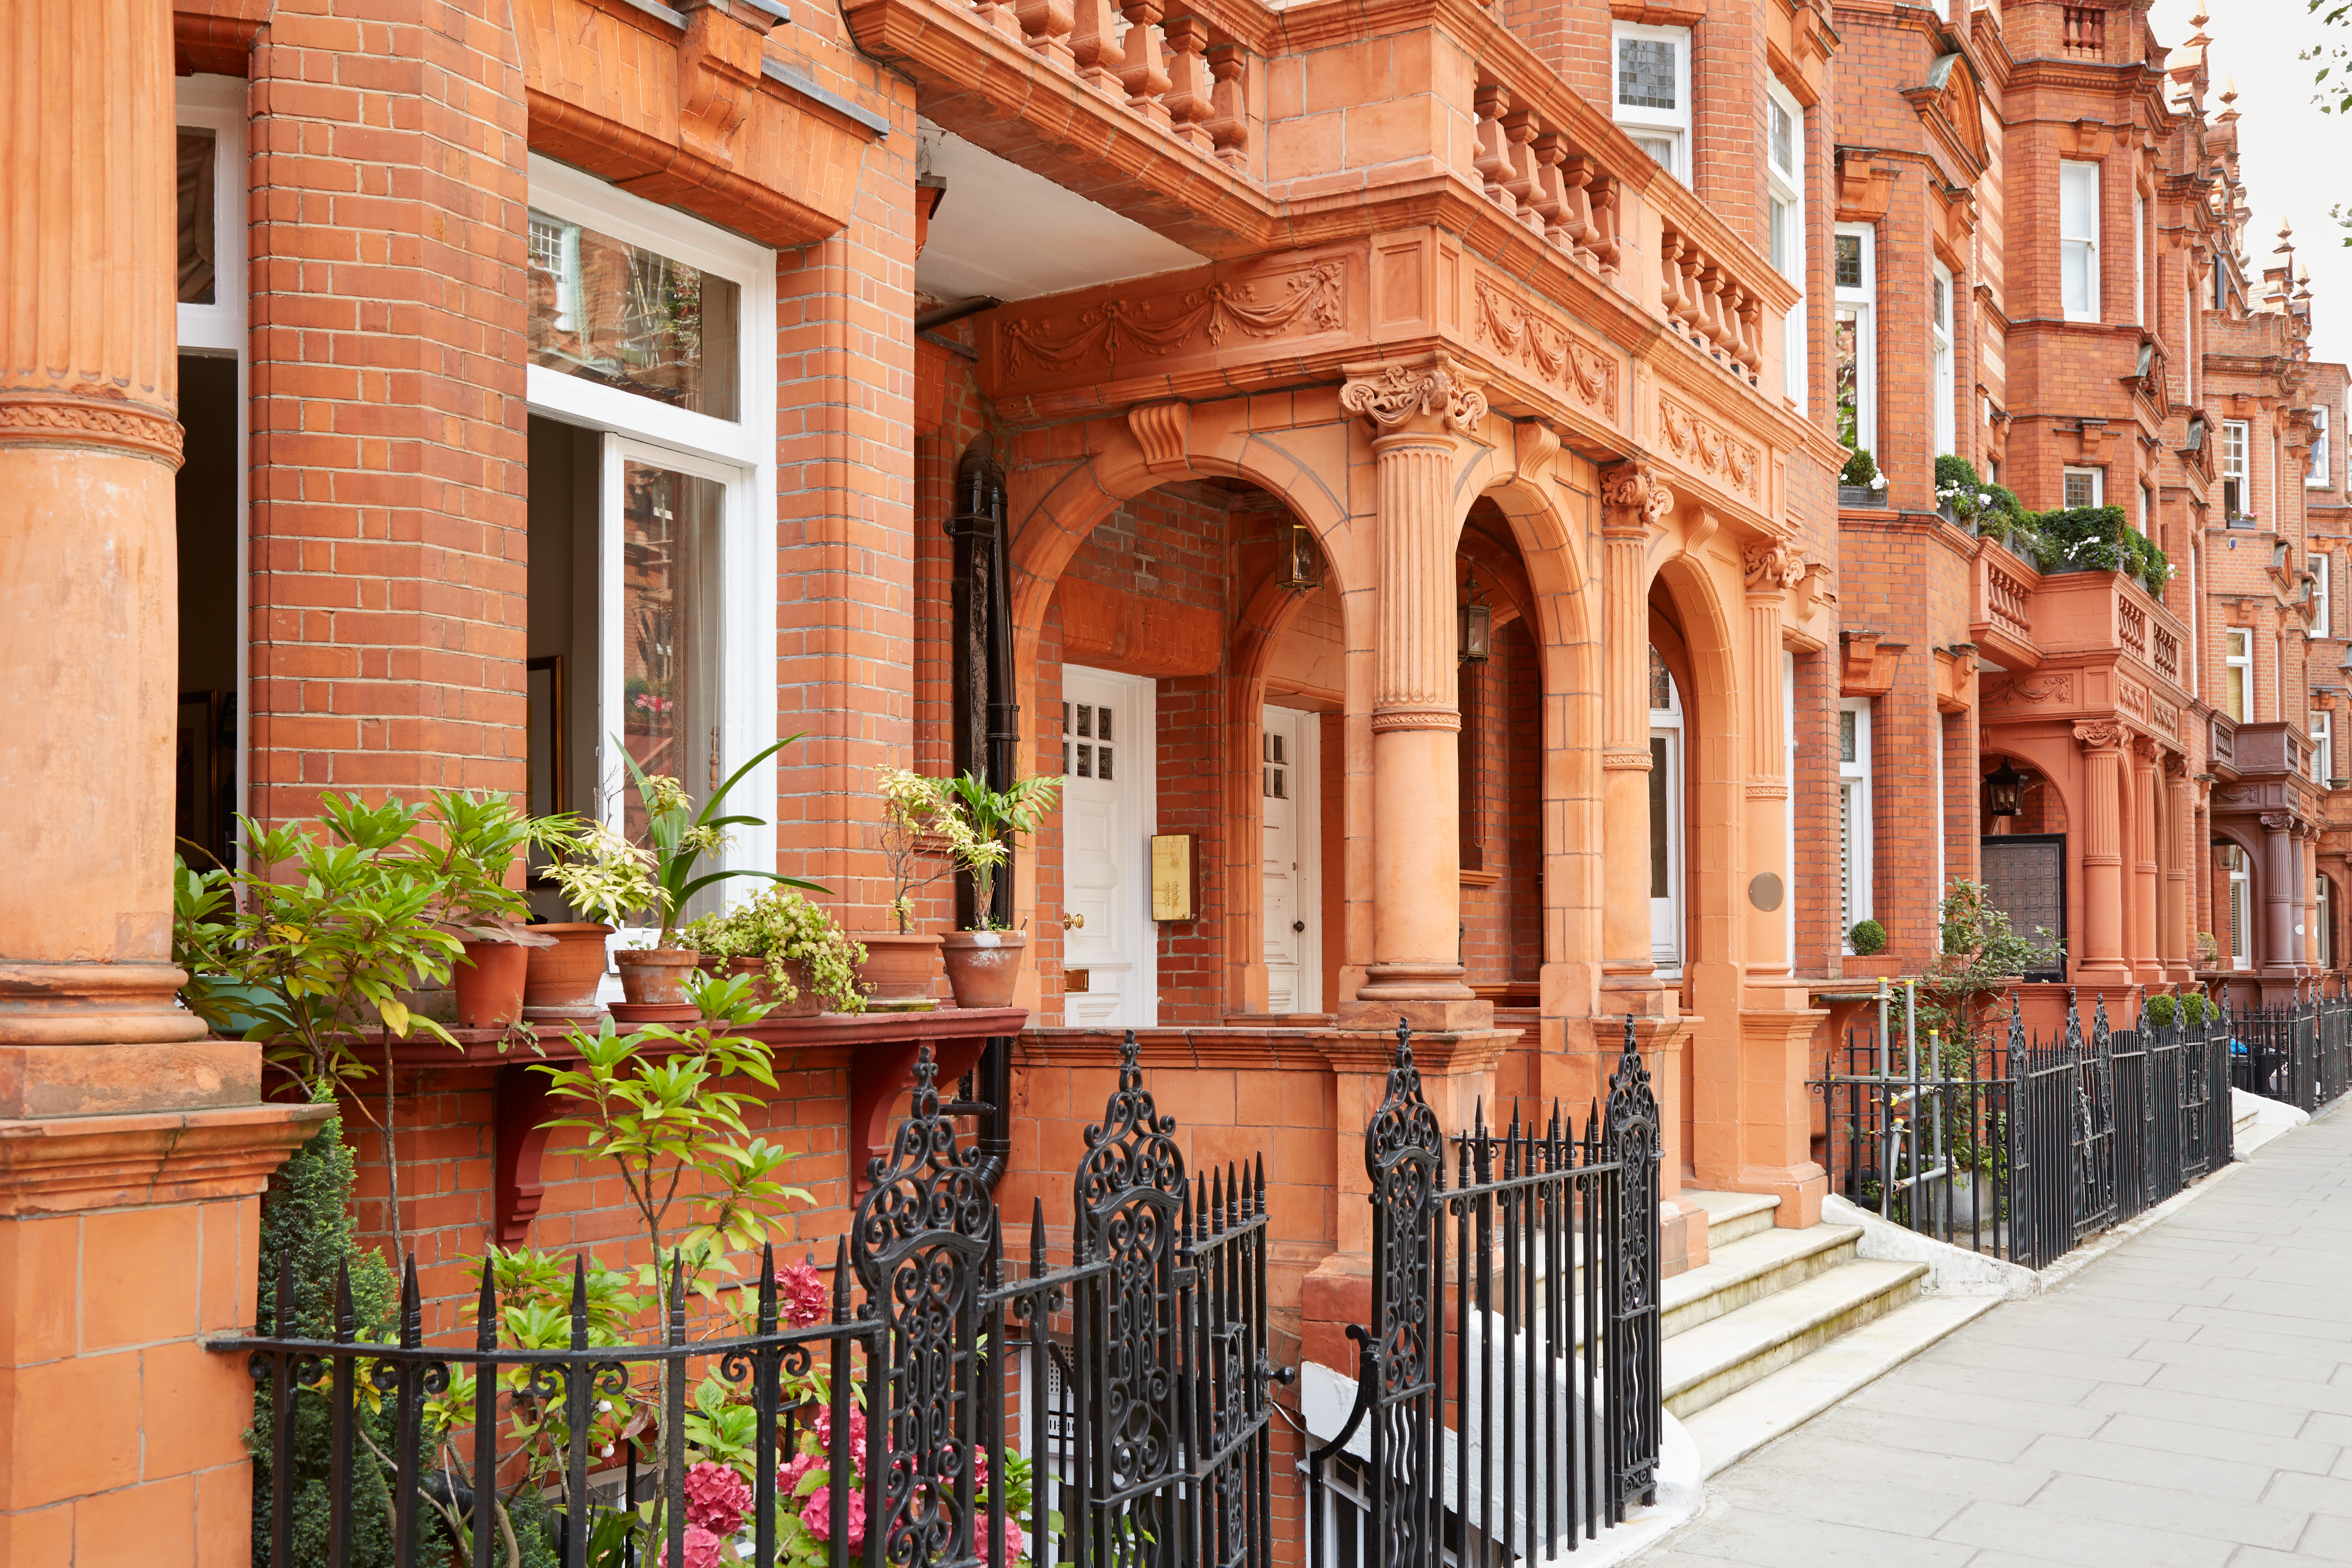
412, 1308
1405, 1043
580, 1300
767, 1286
486, 1313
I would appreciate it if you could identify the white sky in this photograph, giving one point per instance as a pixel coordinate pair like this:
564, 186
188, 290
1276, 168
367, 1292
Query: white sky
2296, 162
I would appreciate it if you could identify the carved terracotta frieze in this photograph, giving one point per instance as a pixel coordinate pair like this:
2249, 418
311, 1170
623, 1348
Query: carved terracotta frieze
1555, 355
2058, 689
1302, 304
1706, 447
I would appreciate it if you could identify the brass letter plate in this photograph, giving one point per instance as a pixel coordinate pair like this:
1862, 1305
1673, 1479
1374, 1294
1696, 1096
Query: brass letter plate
1075, 979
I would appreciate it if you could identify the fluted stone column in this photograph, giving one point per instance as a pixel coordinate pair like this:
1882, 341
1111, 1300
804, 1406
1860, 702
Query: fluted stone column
1423, 417
2178, 851
2102, 857
2144, 946
1633, 501
89, 440
2279, 861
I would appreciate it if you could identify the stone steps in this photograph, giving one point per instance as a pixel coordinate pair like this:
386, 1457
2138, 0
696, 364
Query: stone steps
1781, 1324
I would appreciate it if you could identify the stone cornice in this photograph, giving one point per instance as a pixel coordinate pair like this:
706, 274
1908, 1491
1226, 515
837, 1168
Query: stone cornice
67, 1164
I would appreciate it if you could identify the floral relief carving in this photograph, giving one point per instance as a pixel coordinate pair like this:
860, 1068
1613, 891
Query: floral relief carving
2049, 688
2132, 699
1315, 297
1768, 564
1428, 390
1633, 493
2100, 737
1556, 354
1709, 447
107, 424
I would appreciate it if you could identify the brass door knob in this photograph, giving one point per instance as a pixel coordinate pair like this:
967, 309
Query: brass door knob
1073, 920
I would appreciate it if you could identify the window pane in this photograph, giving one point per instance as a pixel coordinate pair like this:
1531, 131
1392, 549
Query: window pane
2235, 693
1943, 302
2075, 271
1661, 149
1660, 878
1849, 378
1645, 73
622, 316
2078, 489
1662, 684
1781, 224
2078, 201
670, 630
197, 163
1784, 138
1848, 261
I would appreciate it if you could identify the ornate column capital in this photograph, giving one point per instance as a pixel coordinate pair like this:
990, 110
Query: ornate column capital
1426, 396
1769, 566
2176, 766
2101, 737
1633, 497
2277, 822
2146, 752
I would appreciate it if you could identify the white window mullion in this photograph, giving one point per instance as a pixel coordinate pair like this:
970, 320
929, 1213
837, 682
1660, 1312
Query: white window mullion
1855, 828
2078, 239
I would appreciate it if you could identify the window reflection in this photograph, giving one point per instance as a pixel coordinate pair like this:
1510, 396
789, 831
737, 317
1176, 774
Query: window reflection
622, 316
670, 630
196, 173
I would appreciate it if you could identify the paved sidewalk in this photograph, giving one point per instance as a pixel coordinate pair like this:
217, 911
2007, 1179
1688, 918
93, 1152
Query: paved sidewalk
2184, 1402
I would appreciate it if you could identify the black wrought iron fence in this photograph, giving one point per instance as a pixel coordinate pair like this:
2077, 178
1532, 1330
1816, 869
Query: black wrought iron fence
2300, 1052
2023, 1149
1508, 1385
931, 1413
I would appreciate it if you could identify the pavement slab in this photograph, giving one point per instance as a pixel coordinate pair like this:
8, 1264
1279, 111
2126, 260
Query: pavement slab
2183, 1402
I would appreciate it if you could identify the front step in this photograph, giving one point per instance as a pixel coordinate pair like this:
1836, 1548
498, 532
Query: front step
1743, 1271
1719, 1358
1734, 1216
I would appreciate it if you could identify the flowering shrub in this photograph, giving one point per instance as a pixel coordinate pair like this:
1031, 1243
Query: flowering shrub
786, 929
2097, 538
802, 1297
1861, 471
805, 1498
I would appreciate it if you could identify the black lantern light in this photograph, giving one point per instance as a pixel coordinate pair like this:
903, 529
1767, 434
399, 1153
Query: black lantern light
2004, 790
1477, 620
1302, 561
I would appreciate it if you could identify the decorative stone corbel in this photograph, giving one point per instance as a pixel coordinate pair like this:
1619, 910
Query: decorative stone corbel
1534, 444
1865, 190
1632, 498
1164, 431
1767, 565
2092, 440
1870, 663
2087, 139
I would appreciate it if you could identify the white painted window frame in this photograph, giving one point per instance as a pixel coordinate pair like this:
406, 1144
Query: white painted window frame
2098, 477
1861, 830
1668, 724
2071, 243
217, 105
2238, 654
2139, 258
2238, 874
1787, 186
2323, 746
2323, 571
1940, 355
1864, 304
2316, 478
738, 454
1637, 120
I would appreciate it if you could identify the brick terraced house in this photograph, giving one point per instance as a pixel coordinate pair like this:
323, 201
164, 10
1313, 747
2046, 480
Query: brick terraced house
1386, 459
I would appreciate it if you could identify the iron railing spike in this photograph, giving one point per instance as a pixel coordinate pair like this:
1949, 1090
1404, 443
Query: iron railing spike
412, 1306
580, 1302
677, 1298
346, 1321
486, 1311
841, 1279
767, 1287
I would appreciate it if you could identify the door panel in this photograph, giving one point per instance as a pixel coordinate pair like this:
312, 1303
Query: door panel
1107, 821
1290, 757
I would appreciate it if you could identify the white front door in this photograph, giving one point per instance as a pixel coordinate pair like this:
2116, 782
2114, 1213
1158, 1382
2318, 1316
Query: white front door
1110, 979
1288, 799
1665, 821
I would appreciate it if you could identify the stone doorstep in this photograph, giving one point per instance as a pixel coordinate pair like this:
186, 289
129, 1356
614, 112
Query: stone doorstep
1748, 1270
1733, 1215
1708, 1363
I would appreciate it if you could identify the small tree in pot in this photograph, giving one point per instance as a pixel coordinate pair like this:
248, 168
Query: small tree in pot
478, 838
979, 825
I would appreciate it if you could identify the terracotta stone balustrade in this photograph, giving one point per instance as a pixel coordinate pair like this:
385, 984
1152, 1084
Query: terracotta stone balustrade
2087, 30
1534, 174
1706, 300
2167, 654
1177, 74
2131, 623
2006, 603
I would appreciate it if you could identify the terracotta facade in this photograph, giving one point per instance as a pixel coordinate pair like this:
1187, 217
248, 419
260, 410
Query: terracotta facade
587, 374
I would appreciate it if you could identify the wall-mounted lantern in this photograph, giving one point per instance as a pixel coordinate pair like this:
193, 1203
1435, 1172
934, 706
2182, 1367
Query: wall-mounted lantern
1302, 560
1477, 622
2004, 790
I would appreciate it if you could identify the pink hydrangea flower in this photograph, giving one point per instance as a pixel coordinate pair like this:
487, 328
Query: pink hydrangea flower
702, 1550
817, 1513
802, 1296
715, 1498
1016, 1542
822, 1426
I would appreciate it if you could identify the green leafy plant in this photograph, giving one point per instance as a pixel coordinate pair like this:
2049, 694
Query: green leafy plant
1958, 486
294, 950
1861, 471
2195, 1009
788, 931
979, 825
2158, 1012
2097, 538
908, 807
2209, 950
1866, 938
1980, 957
471, 850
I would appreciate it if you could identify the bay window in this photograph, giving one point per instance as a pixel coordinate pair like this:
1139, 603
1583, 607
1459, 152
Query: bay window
1856, 343
2238, 672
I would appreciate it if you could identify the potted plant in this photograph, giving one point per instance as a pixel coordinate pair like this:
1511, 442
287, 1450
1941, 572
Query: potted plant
979, 825
1961, 496
805, 964
900, 962
480, 835
1861, 483
604, 876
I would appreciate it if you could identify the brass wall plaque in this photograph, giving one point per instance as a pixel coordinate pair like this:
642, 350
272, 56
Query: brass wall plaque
1172, 877
1077, 980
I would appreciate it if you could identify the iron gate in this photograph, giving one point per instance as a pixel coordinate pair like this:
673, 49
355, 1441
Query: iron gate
1507, 1407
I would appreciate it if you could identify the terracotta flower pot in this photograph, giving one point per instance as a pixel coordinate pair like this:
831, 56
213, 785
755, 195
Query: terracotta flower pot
489, 983
652, 1012
805, 1003
564, 977
899, 968
655, 976
983, 965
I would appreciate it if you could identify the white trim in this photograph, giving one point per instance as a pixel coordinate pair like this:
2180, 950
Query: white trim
2238, 877
2237, 653
1785, 188
2078, 237
1668, 957
2323, 746
2316, 478
2098, 477
2323, 620
1939, 348
1641, 121
2139, 258
1139, 776
217, 103
1861, 304
1858, 828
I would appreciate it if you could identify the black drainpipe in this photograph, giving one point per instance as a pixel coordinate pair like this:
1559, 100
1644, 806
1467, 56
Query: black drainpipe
987, 733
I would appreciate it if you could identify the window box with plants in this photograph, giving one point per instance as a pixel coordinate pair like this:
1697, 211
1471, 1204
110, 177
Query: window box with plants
2097, 538
804, 965
1860, 484
1867, 957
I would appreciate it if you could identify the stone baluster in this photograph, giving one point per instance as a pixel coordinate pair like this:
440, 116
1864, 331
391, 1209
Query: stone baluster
1714, 316
1046, 24
1146, 77
1426, 421
1734, 320
1494, 160
1001, 16
1564, 215
1187, 81
1094, 44
1228, 120
1671, 298
1519, 134
1603, 191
